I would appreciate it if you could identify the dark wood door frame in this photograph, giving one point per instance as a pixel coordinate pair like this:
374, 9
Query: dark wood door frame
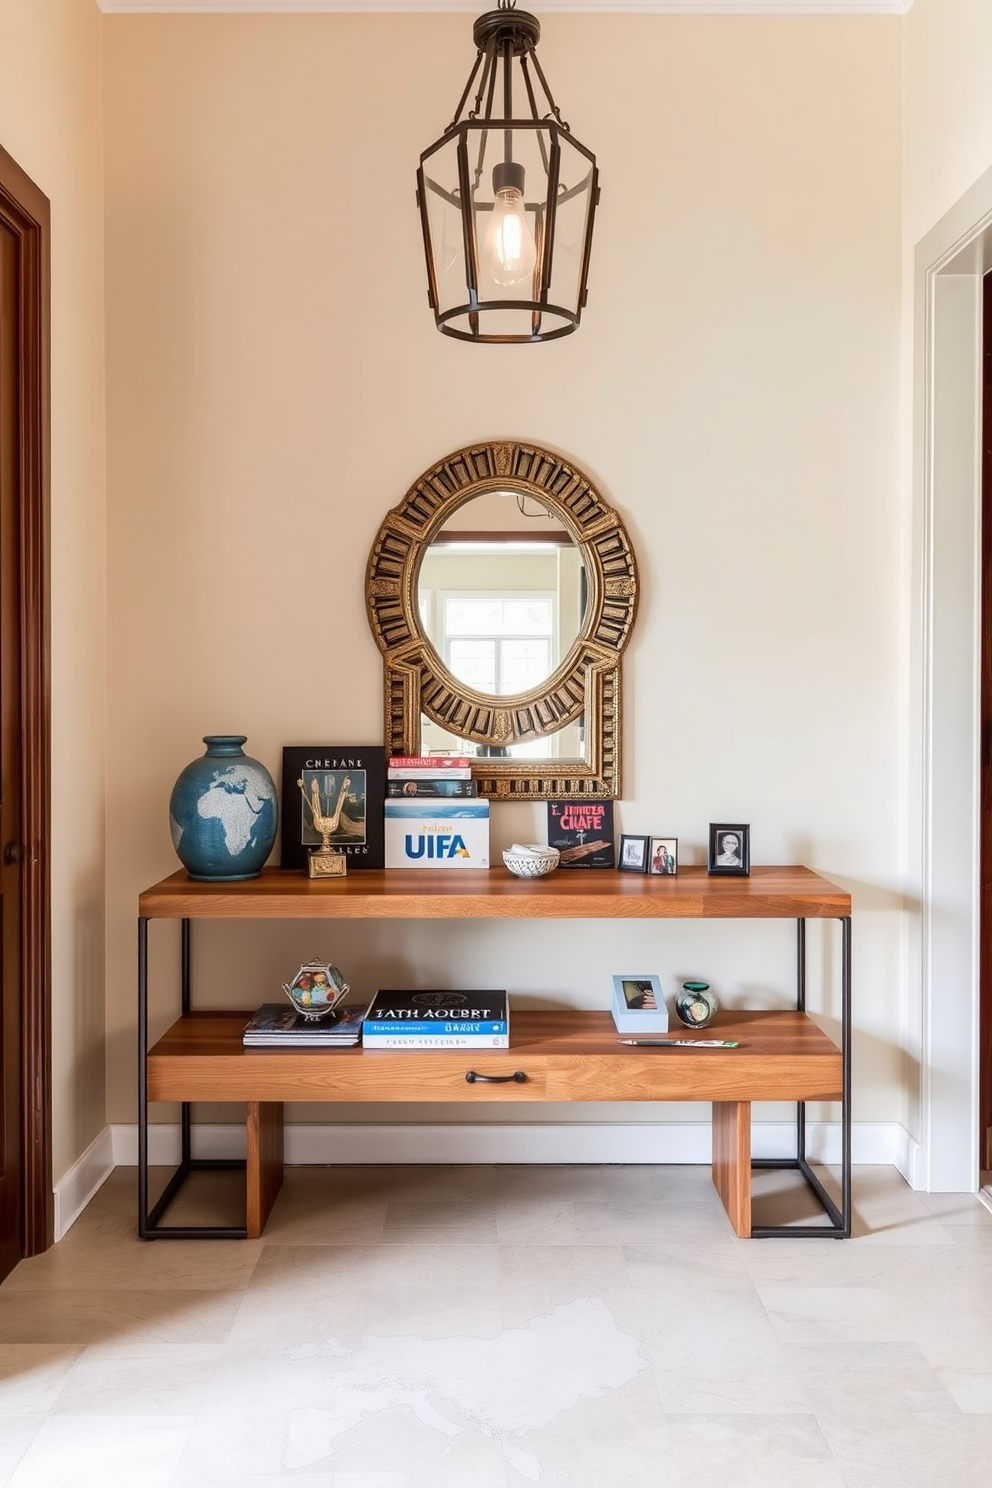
25, 212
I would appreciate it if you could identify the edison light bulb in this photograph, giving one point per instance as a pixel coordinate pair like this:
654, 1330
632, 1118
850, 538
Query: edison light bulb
511, 252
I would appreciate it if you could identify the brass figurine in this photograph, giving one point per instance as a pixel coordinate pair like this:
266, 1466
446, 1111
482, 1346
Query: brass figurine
325, 861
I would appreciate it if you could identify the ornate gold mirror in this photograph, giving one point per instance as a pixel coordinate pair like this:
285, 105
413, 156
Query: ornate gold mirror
501, 593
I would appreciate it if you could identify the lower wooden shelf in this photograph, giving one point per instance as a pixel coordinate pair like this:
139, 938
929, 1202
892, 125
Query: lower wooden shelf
564, 1057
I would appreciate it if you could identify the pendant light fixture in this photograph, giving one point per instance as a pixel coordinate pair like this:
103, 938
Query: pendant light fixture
507, 197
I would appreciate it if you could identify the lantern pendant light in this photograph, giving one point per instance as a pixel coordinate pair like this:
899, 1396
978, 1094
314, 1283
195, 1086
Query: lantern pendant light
507, 199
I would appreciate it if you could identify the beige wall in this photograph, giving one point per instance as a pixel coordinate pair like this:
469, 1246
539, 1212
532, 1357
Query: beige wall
948, 106
51, 122
266, 361
275, 383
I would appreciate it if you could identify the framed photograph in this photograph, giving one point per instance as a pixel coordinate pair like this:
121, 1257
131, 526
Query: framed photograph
639, 1005
664, 855
338, 783
633, 854
730, 849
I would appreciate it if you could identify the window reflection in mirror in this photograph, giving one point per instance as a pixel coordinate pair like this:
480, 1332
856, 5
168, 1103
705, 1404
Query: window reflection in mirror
501, 594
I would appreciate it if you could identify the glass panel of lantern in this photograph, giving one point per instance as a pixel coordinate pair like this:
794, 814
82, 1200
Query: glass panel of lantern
488, 265
441, 217
574, 204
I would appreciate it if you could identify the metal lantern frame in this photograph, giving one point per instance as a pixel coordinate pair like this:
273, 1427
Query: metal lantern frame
506, 41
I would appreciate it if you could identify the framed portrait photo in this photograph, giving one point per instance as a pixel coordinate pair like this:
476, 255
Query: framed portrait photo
664, 855
633, 854
730, 849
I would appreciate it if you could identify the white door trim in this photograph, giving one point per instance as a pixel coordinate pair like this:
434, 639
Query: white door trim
945, 681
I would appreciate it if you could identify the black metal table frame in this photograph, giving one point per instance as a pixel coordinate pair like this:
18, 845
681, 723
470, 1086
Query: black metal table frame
839, 1227
149, 1220
149, 1225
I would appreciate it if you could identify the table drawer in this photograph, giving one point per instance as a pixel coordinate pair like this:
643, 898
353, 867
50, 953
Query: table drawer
444, 1077
347, 1075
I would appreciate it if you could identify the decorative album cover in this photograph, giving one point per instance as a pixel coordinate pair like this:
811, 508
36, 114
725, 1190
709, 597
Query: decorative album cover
582, 831
343, 784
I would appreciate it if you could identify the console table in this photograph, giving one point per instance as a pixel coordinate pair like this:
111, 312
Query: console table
575, 1056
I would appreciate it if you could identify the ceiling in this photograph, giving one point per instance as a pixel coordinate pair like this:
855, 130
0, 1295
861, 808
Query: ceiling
657, 7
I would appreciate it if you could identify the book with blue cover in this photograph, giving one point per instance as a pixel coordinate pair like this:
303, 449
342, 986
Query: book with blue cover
433, 1020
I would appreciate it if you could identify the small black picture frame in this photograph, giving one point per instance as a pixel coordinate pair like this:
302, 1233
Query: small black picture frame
664, 856
633, 854
730, 849
351, 780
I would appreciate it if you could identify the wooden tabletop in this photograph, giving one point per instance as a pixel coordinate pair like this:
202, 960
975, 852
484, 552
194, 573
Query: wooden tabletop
462, 893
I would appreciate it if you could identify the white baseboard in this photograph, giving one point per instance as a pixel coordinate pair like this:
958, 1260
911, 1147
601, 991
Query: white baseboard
881, 1143
885, 1143
877, 1143
907, 1156
75, 1188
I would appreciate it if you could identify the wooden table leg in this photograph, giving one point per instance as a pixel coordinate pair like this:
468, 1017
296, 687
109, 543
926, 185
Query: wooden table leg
732, 1161
265, 1162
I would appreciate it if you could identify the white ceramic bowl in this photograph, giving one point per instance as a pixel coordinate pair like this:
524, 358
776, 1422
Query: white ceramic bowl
532, 865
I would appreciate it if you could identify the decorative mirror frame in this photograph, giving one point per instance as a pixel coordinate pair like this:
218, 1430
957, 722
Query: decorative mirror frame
587, 680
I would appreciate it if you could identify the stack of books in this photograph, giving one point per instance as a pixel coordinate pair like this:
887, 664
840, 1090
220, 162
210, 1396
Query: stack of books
277, 1025
433, 815
437, 1020
430, 775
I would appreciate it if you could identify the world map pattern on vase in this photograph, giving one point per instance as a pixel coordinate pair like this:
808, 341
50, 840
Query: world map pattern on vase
238, 798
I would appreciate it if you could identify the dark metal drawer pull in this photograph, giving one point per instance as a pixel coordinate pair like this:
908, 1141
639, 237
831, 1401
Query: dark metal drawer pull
518, 1076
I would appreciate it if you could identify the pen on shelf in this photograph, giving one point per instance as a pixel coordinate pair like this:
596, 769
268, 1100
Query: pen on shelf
660, 1043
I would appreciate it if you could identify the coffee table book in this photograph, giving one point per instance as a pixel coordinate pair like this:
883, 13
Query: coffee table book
429, 761
277, 1025
431, 789
582, 831
430, 772
437, 1020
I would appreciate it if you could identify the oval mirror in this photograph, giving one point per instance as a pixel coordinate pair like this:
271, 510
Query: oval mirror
502, 591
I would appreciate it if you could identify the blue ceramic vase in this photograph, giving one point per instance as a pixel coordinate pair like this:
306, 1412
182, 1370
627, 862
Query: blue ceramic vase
223, 812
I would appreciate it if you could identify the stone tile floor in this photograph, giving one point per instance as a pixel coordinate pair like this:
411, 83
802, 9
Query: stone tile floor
488, 1327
